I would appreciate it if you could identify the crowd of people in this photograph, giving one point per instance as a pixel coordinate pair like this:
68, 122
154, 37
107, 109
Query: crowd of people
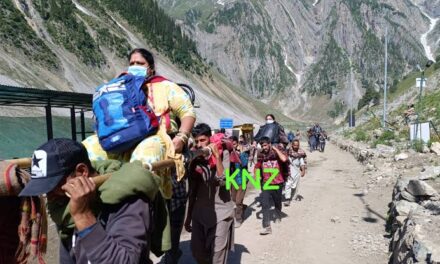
135, 211
317, 138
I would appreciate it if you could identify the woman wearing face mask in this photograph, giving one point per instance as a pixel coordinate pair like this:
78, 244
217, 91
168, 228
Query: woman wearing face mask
177, 118
170, 103
272, 130
167, 99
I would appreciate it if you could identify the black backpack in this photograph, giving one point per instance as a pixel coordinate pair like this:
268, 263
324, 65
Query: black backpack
271, 131
190, 92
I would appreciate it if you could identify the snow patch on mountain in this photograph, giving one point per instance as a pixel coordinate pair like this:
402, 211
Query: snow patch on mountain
424, 37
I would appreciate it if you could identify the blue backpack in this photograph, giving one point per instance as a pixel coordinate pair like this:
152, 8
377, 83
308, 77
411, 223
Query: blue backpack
122, 115
244, 159
290, 137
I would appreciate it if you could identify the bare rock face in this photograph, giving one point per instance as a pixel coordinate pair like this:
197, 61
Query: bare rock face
311, 45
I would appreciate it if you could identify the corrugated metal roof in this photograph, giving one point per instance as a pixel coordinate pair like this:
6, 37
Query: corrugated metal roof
20, 96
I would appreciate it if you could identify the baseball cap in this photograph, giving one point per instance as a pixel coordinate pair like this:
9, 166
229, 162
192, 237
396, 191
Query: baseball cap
51, 162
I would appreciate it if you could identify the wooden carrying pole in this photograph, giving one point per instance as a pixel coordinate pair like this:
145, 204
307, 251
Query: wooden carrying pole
100, 179
22, 163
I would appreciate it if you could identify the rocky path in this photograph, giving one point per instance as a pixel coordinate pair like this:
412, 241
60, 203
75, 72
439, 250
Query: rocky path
337, 221
342, 215
340, 219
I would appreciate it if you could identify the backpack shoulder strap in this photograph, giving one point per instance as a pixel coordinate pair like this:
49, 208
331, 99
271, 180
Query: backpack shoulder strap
166, 112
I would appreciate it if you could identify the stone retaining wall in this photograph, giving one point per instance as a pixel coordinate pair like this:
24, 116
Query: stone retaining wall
414, 215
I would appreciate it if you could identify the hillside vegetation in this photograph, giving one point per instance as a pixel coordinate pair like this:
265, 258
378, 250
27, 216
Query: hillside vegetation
304, 51
403, 94
15, 34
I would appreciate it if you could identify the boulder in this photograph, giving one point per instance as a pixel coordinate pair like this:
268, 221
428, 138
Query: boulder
430, 172
420, 188
369, 167
401, 156
425, 149
399, 188
335, 219
412, 151
421, 252
385, 151
435, 148
363, 155
407, 196
413, 242
403, 207
377, 133
432, 206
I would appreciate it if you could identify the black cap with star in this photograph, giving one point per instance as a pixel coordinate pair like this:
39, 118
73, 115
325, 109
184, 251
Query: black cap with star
51, 162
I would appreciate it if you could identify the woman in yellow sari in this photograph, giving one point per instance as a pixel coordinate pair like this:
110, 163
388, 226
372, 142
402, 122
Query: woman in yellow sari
169, 102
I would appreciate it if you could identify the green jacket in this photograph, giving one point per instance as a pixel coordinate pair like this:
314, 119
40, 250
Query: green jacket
127, 180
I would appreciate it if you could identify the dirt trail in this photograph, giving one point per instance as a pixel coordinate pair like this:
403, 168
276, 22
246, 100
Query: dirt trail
335, 222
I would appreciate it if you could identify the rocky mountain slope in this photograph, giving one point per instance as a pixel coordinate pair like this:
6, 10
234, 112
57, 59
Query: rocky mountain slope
300, 54
74, 45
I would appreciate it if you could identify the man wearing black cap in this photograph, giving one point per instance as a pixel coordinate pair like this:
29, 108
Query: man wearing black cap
96, 225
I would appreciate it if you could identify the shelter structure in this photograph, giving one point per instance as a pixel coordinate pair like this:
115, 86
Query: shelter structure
78, 103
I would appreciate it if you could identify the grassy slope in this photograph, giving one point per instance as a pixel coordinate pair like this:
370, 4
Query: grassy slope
409, 81
180, 11
428, 107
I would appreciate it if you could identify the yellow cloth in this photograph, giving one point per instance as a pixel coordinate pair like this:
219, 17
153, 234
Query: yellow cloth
166, 95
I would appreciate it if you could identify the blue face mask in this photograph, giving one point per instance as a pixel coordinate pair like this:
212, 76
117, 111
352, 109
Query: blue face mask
138, 70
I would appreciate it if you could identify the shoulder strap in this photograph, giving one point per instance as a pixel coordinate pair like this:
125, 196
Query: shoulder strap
155, 79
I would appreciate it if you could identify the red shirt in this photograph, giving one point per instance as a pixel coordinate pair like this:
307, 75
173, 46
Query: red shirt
269, 161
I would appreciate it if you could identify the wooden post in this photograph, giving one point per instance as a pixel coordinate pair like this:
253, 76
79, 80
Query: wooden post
73, 122
49, 121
